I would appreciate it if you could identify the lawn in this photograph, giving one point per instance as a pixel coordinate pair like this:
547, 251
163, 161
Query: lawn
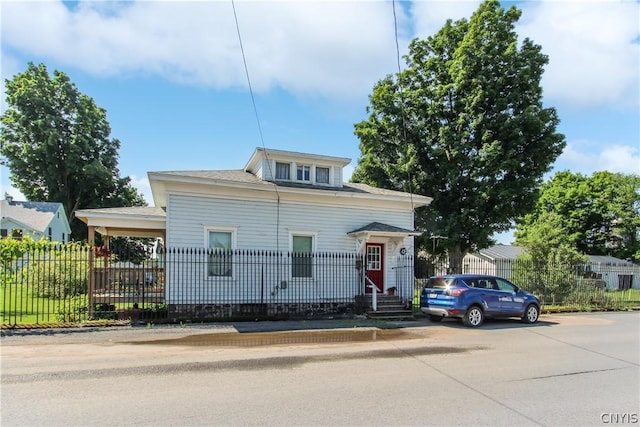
20, 305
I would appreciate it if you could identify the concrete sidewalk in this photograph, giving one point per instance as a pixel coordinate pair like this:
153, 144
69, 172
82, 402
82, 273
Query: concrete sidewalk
142, 332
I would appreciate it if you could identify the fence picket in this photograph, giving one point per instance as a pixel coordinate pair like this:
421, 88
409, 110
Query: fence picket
51, 284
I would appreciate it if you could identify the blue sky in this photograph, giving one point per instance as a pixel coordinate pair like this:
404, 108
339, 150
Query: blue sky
171, 78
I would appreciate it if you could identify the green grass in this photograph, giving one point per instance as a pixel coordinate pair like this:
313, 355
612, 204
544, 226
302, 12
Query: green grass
19, 305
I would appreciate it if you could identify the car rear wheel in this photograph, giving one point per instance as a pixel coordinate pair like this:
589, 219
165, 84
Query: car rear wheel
531, 314
435, 318
473, 317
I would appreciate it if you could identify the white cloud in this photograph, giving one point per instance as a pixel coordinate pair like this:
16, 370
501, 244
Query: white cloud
430, 16
327, 49
593, 50
578, 157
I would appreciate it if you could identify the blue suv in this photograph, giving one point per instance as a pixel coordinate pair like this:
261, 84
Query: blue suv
472, 297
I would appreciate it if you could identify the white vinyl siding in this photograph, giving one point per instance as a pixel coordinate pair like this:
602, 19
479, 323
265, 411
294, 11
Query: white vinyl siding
257, 227
256, 222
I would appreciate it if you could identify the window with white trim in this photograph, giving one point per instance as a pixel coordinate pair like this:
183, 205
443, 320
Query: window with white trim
302, 256
304, 173
283, 171
220, 256
322, 175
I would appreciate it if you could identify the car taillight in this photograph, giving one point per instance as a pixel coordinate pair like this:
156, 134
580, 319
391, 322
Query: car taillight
455, 292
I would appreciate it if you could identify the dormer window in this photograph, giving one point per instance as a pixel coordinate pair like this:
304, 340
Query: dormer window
322, 175
283, 171
304, 173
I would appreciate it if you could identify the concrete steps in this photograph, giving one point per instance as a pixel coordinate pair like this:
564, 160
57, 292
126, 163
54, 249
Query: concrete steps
389, 307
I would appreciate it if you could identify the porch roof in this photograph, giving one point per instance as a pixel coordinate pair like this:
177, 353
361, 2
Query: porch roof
380, 229
135, 221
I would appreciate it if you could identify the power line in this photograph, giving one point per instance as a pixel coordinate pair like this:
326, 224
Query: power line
402, 111
255, 110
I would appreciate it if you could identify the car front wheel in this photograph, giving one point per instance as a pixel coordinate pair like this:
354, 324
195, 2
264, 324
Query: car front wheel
473, 317
531, 314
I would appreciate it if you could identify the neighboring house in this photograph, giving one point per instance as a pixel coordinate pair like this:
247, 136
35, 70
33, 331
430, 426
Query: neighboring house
498, 260
280, 201
35, 219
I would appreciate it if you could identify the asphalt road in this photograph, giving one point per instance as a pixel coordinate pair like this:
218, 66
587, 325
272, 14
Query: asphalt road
578, 369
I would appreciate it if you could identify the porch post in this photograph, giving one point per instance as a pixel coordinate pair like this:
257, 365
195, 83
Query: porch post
92, 285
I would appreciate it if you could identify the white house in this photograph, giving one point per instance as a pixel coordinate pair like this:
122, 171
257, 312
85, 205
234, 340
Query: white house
280, 201
612, 272
35, 219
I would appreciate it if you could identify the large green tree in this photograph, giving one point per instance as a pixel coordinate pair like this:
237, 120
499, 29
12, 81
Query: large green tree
464, 123
56, 143
600, 214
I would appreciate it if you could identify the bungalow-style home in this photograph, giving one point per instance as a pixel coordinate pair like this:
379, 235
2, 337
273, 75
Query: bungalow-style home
274, 232
612, 272
35, 219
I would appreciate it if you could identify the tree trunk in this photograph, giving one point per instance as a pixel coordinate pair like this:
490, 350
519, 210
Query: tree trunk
455, 260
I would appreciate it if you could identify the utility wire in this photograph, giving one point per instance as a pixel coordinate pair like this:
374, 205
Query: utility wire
255, 110
402, 111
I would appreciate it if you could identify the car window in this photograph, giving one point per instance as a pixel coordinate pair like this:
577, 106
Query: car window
440, 282
481, 282
503, 285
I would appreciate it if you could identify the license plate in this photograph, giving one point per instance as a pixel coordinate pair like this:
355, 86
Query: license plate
433, 295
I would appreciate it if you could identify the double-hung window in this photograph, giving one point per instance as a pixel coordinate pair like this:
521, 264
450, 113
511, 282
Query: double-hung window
322, 175
302, 256
304, 173
283, 171
220, 255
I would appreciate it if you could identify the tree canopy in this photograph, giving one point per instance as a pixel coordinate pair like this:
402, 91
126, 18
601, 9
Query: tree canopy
600, 215
56, 143
465, 124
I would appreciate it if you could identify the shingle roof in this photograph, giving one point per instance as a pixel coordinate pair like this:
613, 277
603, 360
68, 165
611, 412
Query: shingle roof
609, 260
378, 226
511, 252
501, 252
240, 176
36, 215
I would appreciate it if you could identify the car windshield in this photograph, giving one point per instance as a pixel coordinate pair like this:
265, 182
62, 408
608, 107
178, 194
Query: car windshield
440, 282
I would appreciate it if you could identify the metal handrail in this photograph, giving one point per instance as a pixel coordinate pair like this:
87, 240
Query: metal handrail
374, 293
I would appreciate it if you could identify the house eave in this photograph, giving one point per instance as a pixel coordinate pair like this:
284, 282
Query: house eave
159, 182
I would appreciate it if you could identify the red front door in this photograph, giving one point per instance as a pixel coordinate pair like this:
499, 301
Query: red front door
375, 266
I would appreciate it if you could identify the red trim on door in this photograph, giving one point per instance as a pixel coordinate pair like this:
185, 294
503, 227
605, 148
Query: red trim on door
375, 265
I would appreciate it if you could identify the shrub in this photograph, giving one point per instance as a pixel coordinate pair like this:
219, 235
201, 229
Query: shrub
72, 310
58, 271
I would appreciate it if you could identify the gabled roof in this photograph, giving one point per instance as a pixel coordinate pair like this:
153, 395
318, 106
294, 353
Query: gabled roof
35, 215
378, 226
609, 260
511, 252
500, 252
380, 229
